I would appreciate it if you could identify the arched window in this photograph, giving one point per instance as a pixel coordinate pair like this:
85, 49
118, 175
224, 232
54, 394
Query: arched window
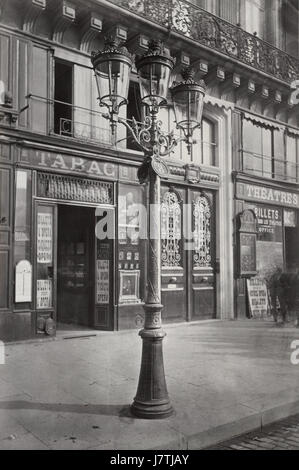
202, 232
171, 230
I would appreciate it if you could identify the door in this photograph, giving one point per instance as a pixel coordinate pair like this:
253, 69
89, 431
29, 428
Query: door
103, 303
173, 256
201, 275
45, 278
75, 265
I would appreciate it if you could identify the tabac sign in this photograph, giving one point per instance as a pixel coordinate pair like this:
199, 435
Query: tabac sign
252, 192
68, 163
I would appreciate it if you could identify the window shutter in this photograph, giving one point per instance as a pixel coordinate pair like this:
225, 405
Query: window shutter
41, 73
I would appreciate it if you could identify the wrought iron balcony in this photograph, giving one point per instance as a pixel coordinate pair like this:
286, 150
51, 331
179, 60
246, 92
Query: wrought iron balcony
188, 20
68, 120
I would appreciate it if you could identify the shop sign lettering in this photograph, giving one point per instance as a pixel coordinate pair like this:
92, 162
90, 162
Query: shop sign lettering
263, 194
57, 161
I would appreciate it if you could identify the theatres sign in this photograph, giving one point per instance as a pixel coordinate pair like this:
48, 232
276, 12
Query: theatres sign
252, 192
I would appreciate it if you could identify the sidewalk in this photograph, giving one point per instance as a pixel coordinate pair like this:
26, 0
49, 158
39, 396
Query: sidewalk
224, 379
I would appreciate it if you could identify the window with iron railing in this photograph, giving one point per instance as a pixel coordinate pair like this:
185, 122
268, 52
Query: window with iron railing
269, 152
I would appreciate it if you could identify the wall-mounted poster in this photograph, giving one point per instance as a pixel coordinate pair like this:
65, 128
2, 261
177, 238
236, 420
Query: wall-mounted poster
23, 281
43, 293
102, 282
258, 297
44, 238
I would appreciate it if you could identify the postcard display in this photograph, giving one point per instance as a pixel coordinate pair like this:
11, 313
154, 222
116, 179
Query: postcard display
44, 248
129, 247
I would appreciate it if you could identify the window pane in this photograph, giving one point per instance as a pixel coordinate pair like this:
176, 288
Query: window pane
291, 157
267, 152
254, 17
208, 142
279, 158
252, 148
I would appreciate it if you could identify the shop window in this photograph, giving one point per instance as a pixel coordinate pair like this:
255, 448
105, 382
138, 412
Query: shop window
132, 219
63, 102
23, 216
133, 111
171, 230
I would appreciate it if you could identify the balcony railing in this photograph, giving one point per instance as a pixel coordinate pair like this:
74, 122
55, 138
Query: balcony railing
194, 23
269, 167
68, 120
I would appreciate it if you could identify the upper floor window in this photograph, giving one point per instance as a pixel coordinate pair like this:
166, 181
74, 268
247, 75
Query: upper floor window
255, 17
270, 152
63, 98
292, 158
204, 149
229, 10
208, 143
257, 149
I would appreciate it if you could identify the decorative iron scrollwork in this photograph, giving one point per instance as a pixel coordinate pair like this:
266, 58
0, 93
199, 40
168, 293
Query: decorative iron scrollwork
171, 230
202, 232
74, 189
214, 32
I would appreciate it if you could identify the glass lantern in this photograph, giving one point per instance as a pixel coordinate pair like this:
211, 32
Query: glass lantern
154, 69
112, 68
188, 97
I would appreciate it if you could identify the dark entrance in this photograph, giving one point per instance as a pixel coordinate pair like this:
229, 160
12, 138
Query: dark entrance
75, 265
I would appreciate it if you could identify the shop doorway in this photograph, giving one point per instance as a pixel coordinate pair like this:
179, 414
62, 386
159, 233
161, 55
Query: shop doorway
75, 266
292, 248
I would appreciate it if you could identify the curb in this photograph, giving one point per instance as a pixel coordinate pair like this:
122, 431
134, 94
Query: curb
214, 436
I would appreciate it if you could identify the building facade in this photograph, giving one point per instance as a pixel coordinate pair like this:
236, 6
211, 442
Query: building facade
63, 173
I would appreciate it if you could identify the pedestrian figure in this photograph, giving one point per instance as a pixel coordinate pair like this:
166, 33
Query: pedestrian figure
274, 292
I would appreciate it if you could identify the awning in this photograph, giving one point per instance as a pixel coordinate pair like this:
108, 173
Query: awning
264, 122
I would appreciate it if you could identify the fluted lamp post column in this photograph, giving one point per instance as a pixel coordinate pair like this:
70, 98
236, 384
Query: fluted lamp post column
112, 68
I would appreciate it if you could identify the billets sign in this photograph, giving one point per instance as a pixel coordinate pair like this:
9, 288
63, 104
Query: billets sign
258, 297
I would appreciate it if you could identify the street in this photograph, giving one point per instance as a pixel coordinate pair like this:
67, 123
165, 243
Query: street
224, 379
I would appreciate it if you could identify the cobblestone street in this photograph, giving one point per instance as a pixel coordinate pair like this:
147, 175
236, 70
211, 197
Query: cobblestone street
283, 435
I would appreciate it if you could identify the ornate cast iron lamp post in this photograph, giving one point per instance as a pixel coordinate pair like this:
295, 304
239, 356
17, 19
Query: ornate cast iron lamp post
112, 68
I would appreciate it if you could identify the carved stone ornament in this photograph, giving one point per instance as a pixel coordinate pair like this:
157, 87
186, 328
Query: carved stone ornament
192, 173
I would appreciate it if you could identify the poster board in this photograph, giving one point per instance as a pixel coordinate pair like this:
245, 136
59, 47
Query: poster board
23, 285
258, 298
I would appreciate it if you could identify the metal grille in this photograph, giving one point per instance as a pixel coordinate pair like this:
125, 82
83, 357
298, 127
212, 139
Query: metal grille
202, 232
171, 230
74, 189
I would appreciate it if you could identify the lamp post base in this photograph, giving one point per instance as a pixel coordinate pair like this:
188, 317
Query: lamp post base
152, 401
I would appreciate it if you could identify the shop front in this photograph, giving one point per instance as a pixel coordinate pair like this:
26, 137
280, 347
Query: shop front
275, 208
79, 244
